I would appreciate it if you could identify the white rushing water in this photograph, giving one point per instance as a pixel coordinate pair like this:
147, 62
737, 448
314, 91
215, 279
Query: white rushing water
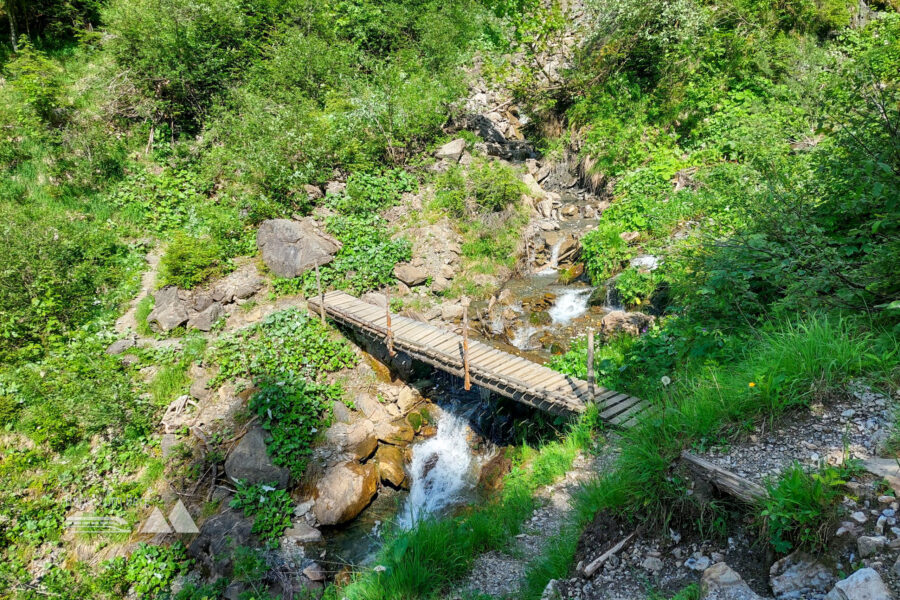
440, 472
570, 304
522, 337
554, 259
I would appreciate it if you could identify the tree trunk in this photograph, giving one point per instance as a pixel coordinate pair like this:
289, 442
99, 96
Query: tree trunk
12, 25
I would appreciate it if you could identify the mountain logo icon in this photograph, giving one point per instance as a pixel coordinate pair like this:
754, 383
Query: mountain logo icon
180, 521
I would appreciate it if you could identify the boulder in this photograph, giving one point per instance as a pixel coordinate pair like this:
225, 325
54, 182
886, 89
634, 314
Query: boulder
219, 536
120, 346
619, 321
410, 275
407, 399
569, 210
440, 285
389, 462
205, 319
451, 150
370, 407
452, 312
289, 248
250, 461
721, 582
534, 188
169, 311
544, 208
302, 533
865, 584
799, 576
314, 572
569, 249
396, 431
344, 491
357, 440
870, 544
238, 285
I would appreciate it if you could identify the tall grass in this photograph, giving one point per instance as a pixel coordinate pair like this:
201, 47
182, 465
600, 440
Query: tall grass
432, 557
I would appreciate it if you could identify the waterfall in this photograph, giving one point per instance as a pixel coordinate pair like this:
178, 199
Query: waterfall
554, 258
570, 304
440, 471
521, 337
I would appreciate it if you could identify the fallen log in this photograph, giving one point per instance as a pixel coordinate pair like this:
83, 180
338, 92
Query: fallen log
723, 480
598, 562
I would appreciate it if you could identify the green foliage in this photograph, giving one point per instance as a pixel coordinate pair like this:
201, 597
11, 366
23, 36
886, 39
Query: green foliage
36, 80
286, 345
189, 261
270, 508
291, 411
604, 252
209, 591
149, 570
635, 287
801, 508
161, 201
369, 193
486, 186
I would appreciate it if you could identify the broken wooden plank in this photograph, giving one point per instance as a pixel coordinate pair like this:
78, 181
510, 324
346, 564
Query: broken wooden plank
724, 480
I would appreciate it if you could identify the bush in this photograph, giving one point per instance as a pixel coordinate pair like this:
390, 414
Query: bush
801, 508
270, 508
369, 193
292, 411
189, 261
149, 570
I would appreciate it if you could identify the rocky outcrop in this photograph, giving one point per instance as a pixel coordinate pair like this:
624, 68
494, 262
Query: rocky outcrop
219, 536
344, 491
619, 321
721, 582
410, 275
250, 461
356, 441
436, 252
451, 151
865, 584
202, 307
289, 248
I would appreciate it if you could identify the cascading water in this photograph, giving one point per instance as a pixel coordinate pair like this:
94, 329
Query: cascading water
570, 304
522, 337
440, 473
554, 259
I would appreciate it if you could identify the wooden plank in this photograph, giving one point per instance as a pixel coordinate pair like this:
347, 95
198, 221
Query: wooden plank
723, 480
618, 407
625, 416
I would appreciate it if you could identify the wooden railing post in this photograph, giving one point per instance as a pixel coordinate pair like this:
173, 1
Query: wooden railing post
321, 295
465, 331
390, 336
590, 364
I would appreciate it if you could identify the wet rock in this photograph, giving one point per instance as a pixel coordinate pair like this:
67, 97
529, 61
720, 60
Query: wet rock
397, 432
798, 576
865, 584
301, 533
204, 320
314, 572
289, 248
344, 491
169, 311
451, 150
410, 275
569, 210
389, 462
250, 461
721, 582
219, 536
619, 321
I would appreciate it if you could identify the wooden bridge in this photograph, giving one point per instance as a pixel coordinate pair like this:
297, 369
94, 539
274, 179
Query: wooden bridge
501, 372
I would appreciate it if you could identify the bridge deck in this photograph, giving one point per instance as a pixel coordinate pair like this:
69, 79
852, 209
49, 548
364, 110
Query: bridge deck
501, 372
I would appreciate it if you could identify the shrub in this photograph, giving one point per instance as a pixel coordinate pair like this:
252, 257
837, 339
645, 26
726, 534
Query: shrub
369, 193
635, 287
801, 508
270, 508
292, 411
189, 261
149, 570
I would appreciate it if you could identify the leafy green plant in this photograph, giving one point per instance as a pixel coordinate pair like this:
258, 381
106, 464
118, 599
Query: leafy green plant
149, 570
189, 261
801, 508
271, 508
368, 193
292, 411
635, 287
287, 344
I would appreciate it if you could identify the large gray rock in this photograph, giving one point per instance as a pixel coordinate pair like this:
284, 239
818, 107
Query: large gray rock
301, 533
865, 584
799, 576
451, 150
344, 491
619, 321
169, 310
238, 285
289, 248
217, 540
250, 461
721, 582
870, 544
120, 346
357, 440
205, 319
410, 275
